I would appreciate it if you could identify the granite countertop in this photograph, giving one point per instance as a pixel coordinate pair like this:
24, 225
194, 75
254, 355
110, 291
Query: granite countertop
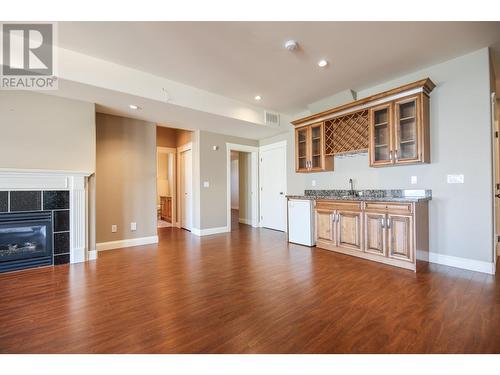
399, 195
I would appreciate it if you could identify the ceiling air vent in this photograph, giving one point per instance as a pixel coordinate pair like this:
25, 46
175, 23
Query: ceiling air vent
271, 118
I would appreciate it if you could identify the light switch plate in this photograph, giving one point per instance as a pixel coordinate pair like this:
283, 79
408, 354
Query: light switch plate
114, 228
413, 180
313, 182
206, 184
455, 178
133, 226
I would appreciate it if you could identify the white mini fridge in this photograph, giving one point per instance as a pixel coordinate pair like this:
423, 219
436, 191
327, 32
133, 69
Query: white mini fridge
301, 221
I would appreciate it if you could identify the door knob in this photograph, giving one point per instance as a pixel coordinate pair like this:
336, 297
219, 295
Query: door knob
497, 195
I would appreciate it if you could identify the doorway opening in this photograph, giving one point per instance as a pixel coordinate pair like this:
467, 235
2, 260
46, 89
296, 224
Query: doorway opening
173, 177
242, 186
165, 186
241, 189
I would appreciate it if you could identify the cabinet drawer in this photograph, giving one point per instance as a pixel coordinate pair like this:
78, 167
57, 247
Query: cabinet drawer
338, 205
399, 208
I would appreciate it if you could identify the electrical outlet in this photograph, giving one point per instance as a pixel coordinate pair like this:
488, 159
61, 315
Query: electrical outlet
114, 228
455, 178
206, 184
413, 180
313, 182
133, 226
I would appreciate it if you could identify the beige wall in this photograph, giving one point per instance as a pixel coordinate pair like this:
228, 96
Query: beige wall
183, 137
166, 137
125, 177
213, 168
170, 137
40, 131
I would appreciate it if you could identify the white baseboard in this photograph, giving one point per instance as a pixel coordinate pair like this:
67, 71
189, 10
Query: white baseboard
464, 263
77, 255
209, 231
126, 243
92, 255
245, 221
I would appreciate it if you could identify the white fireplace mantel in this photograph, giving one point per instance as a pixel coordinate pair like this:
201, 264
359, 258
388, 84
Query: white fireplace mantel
73, 181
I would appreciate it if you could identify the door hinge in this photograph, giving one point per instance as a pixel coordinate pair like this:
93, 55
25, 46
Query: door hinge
498, 186
498, 238
496, 134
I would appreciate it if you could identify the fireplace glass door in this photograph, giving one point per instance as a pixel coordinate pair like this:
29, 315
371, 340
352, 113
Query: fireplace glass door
25, 240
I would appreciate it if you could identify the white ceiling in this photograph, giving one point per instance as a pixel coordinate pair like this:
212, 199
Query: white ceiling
242, 59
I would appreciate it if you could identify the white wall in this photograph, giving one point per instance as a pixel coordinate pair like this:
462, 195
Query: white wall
460, 214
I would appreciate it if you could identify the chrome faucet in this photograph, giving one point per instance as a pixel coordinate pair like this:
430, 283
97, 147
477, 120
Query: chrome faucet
352, 189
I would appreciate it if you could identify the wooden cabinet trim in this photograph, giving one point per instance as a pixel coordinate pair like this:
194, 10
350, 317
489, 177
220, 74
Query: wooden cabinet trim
401, 208
426, 84
338, 205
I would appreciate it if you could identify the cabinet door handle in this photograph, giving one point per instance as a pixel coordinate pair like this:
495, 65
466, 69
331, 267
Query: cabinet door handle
388, 222
390, 155
383, 222
396, 155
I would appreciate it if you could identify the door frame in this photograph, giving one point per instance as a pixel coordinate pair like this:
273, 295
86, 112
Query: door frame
283, 145
181, 149
169, 150
254, 168
495, 127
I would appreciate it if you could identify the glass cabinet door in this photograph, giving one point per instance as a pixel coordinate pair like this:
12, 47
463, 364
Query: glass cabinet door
301, 148
406, 131
381, 135
316, 146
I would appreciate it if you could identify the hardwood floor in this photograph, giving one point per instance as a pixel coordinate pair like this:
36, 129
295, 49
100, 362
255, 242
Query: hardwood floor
245, 292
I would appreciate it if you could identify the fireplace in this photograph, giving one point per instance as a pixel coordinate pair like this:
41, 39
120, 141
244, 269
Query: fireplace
25, 240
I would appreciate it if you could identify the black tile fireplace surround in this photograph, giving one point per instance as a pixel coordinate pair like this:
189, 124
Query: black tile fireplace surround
34, 229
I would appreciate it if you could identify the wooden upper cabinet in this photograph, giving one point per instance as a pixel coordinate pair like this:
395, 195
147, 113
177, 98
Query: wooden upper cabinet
301, 150
393, 125
399, 132
380, 133
310, 149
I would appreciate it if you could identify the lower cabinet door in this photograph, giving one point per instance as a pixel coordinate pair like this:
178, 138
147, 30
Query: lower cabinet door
400, 233
349, 230
375, 241
324, 225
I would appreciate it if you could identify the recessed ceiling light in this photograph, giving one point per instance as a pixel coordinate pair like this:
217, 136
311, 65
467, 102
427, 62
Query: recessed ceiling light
322, 63
133, 106
291, 45
258, 97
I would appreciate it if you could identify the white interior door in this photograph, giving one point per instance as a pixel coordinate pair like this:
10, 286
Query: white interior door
186, 180
273, 188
